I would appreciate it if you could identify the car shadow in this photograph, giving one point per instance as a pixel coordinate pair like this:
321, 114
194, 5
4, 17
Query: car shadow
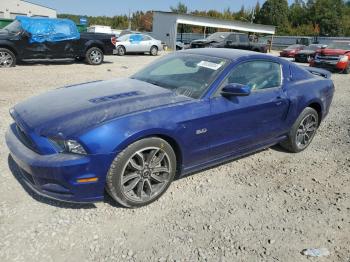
17, 174
49, 62
275, 147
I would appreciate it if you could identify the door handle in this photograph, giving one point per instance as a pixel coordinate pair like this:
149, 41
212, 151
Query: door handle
279, 101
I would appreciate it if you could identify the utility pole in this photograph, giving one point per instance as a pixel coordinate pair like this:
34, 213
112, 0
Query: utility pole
129, 26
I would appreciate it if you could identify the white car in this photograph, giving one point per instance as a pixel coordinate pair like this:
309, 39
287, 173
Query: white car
137, 43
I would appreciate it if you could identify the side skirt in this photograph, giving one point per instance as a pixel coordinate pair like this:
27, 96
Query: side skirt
231, 156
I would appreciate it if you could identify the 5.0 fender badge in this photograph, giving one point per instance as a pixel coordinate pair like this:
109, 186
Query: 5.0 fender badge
201, 131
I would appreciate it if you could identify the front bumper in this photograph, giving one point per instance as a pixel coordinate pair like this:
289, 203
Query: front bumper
56, 175
331, 65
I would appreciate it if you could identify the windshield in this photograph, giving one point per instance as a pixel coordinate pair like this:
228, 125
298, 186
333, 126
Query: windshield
14, 27
293, 47
339, 45
184, 74
313, 47
219, 36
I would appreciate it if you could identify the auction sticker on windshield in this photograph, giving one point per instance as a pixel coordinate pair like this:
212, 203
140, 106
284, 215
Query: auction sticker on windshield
209, 65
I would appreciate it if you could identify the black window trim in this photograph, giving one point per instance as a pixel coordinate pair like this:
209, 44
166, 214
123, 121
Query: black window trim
220, 86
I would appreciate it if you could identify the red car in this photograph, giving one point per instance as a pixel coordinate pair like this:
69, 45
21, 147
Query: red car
335, 57
290, 51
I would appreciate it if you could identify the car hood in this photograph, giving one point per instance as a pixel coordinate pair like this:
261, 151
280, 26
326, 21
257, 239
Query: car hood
328, 51
71, 110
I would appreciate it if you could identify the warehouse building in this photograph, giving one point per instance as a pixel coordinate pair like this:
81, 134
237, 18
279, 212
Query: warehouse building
165, 25
9, 9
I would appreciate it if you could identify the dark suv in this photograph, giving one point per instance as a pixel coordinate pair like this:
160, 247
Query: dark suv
42, 38
229, 40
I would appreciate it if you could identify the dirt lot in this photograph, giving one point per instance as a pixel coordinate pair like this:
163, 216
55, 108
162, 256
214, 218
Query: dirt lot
264, 207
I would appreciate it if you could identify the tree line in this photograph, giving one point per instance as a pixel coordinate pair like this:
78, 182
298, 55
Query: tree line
303, 17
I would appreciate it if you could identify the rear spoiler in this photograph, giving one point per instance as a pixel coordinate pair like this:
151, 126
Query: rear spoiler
318, 72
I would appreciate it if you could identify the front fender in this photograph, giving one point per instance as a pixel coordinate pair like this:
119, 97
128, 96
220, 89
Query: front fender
10, 45
116, 135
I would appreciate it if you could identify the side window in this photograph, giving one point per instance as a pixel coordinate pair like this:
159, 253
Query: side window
231, 38
146, 38
137, 38
256, 74
243, 38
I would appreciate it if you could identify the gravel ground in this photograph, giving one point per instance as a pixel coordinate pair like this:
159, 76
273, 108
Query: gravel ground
265, 207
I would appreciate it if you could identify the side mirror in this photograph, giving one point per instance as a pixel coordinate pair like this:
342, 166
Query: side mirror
235, 90
27, 34
229, 42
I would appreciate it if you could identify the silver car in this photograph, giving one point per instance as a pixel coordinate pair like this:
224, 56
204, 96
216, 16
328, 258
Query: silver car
137, 43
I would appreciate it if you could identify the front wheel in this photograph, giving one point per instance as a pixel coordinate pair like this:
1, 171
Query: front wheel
7, 58
121, 50
347, 69
94, 56
142, 172
302, 132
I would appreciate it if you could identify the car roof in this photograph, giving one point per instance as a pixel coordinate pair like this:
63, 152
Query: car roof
226, 53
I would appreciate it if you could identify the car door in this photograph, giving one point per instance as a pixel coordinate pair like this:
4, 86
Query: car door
243, 42
61, 46
135, 43
30, 49
231, 41
240, 123
146, 43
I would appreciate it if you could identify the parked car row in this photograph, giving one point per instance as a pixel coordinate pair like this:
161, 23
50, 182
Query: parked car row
229, 40
334, 57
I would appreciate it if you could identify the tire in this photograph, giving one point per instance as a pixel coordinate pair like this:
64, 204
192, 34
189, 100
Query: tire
121, 51
347, 69
154, 51
7, 58
94, 56
133, 180
302, 131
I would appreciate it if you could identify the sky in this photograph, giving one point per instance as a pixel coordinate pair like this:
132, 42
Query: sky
117, 7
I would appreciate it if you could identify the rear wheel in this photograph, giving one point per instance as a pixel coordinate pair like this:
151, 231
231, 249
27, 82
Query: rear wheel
142, 172
94, 56
154, 51
302, 132
7, 58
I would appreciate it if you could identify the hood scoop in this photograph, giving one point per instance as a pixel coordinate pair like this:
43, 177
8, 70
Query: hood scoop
103, 99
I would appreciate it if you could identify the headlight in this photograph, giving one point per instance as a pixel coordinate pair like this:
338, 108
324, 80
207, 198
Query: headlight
74, 147
344, 58
69, 146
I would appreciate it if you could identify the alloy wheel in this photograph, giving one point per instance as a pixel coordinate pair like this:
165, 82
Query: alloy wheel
146, 174
306, 131
96, 56
6, 60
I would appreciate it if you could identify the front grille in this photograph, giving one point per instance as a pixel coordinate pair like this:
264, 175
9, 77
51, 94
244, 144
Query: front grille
25, 139
327, 57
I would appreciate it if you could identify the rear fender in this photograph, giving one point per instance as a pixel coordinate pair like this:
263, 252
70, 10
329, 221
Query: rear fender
94, 43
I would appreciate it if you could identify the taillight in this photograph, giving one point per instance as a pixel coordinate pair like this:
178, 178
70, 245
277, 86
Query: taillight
114, 40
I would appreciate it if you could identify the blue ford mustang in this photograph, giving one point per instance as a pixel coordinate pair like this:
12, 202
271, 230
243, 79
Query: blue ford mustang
184, 112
